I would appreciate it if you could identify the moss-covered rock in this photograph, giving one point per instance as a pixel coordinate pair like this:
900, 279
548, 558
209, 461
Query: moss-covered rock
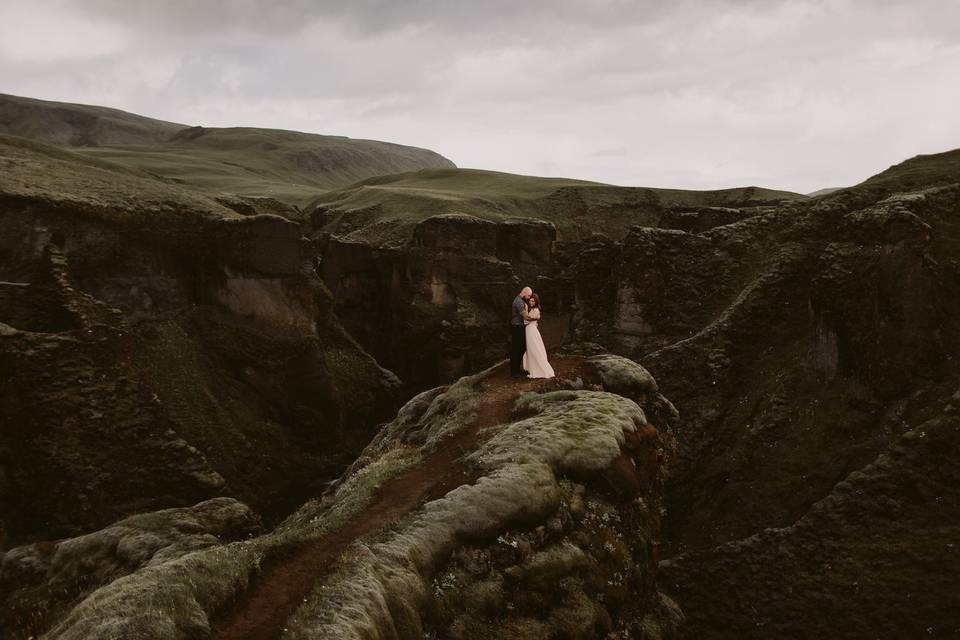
41, 581
535, 539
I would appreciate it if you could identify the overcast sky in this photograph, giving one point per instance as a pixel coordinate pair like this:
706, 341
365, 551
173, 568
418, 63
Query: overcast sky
795, 95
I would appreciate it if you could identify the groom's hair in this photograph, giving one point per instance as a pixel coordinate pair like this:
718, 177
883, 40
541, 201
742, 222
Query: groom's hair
526, 291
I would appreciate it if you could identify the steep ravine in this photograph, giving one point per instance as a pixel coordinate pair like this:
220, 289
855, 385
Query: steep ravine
158, 349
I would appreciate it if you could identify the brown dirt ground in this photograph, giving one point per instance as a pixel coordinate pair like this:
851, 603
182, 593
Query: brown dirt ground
262, 611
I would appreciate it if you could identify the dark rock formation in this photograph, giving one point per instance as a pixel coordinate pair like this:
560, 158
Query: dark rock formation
157, 350
434, 309
877, 557
445, 292
803, 346
807, 339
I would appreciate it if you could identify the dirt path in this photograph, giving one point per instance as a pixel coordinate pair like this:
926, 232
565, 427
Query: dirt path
261, 613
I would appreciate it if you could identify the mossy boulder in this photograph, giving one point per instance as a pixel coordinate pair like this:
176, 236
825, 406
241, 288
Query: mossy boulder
41, 581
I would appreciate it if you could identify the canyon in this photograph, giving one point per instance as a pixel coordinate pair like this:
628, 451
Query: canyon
230, 413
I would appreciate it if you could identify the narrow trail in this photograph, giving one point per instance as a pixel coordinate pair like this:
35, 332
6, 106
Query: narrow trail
262, 611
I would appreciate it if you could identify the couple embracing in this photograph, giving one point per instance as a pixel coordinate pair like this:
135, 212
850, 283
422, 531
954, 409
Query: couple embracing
528, 355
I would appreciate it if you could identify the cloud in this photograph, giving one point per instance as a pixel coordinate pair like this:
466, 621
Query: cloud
51, 33
788, 94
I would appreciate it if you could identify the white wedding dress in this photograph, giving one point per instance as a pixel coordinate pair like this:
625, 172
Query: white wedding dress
535, 359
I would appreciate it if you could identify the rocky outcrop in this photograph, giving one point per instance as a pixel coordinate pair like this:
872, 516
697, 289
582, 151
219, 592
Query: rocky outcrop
253, 205
579, 564
157, 350
489, 508
40, 582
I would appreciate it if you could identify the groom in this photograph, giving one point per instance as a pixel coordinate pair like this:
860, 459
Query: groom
518, 340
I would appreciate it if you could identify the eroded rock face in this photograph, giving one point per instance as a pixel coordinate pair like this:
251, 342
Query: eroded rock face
800, 335
437, 308
444, 282
805, 344
158, 350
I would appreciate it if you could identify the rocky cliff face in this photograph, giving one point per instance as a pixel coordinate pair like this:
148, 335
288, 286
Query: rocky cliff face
817, 342
809, 338
832, 345
489, 508
433, 309
428, 295
158, 349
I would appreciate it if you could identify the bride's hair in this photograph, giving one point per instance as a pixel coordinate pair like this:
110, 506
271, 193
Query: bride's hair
536, 300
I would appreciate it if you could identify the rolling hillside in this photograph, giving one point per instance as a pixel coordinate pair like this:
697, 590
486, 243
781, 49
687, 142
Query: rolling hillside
79, 125
287, 165
390, 206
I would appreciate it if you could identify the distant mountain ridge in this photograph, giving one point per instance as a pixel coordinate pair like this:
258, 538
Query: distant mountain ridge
288, 165
920, 171
390, 206
79, 125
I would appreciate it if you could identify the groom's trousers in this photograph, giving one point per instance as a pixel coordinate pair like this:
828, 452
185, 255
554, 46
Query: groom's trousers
518, 345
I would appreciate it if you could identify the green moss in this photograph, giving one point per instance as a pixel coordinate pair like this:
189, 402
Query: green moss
447, 412
316, 519
623, 376
573, 431
178, 597
169, 600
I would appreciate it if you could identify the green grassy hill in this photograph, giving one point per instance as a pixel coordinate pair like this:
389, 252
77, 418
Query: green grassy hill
390, 206
79, 125
922, 171
55, 176
287, 165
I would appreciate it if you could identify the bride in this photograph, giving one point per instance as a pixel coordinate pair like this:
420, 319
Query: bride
535, 359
